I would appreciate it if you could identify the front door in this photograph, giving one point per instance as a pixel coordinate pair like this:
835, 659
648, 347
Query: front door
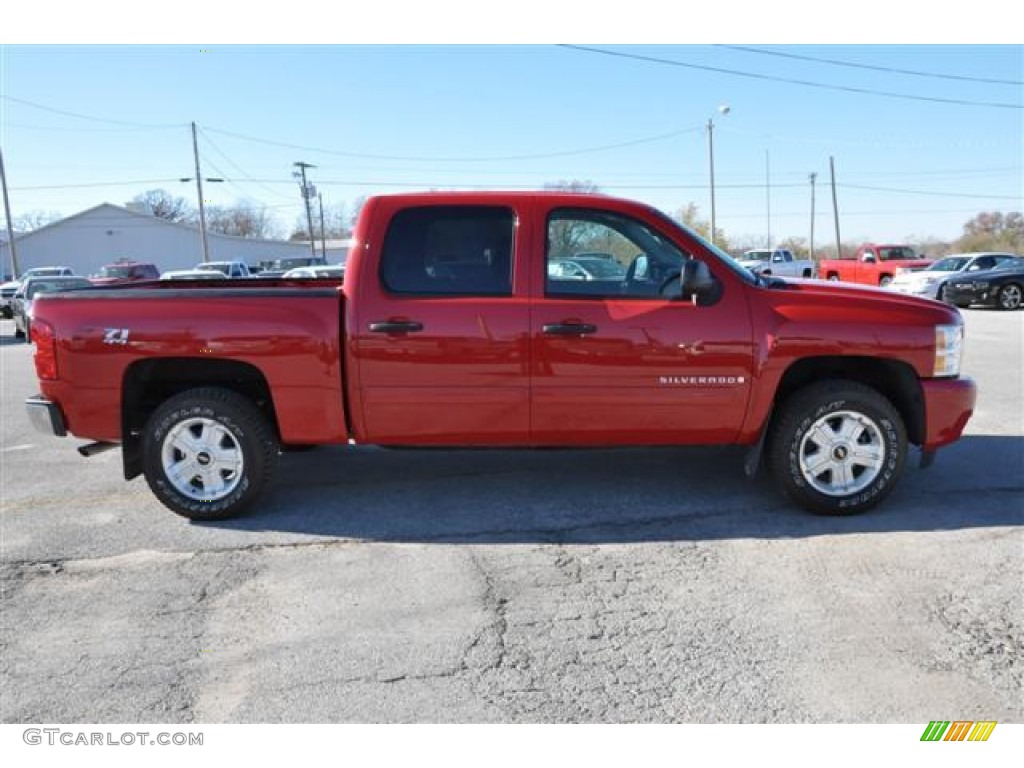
617, 363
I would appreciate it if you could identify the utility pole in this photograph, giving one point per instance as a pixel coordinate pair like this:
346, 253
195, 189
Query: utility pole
835, 207
10, 224
723, 110
813, 177
308, 190
711, 169
199, 189
768, 194
323, 237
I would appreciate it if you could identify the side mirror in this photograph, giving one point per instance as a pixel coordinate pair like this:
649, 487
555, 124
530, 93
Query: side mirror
696, 283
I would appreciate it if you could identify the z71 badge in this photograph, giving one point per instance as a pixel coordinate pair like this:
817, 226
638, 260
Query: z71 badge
115, 336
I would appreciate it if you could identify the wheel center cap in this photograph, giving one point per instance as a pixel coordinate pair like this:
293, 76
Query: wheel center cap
203, 459
840, 453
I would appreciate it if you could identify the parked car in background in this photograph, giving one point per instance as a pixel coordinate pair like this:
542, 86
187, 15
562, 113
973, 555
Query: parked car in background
586, 267
930, 282
236, 268
321, 270
873, 264
8, 289
278, 267
1002, 287
24, 299
776, 261
193, 274
126, 272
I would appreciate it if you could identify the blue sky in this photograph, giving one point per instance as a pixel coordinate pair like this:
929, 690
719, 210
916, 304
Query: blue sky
86, 124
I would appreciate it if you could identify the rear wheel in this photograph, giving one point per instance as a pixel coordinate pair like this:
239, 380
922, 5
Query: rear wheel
837, 448
884, 281
833, 277
208, 453
1009, 297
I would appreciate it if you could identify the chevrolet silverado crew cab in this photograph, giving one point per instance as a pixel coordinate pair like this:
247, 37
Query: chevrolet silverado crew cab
452, 329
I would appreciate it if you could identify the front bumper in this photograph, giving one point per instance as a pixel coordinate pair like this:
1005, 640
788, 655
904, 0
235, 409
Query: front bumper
968, 296
949, 405
45, 416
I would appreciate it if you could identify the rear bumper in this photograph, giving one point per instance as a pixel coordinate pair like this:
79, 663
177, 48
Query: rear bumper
949, 404
45, 416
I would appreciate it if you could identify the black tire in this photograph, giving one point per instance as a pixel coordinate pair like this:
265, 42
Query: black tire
837, 447
885, 281
214, 432
1009, 297
832, 276
18, 333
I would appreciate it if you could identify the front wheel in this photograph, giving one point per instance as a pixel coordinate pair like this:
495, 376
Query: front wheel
208, 453
885, 281
1009, 297
837, 448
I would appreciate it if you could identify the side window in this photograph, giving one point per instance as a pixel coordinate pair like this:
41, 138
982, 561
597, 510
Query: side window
985, 262
449, 251
595, 253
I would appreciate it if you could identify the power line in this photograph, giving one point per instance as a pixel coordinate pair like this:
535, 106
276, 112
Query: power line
791, 81
891, 70
482, 159
79, 116
239, 168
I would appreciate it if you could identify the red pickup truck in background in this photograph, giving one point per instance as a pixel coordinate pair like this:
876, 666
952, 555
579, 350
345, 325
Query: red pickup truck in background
873, 264
451, 328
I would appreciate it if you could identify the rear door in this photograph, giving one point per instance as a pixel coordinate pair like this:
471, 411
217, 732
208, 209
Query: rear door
440, 338
614, 362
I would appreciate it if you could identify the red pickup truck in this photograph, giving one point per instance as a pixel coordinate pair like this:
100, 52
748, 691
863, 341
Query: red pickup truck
452, 329
873, 264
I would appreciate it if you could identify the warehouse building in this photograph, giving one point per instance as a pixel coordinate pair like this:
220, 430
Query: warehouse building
107, 233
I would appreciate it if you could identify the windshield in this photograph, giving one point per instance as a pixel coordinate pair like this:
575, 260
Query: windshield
296, 261
897, 253
118, 272
949, 264
52, 286
214, 267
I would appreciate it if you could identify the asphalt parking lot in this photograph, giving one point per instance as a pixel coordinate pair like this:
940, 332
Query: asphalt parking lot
496, 586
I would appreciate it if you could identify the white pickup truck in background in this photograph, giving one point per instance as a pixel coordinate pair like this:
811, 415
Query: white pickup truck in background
776, 261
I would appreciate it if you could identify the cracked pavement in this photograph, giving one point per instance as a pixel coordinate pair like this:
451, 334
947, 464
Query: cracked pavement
495, 586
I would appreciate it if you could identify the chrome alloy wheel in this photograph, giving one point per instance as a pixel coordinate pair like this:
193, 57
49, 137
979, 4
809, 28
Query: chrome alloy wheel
202, 459
842, 453
1010, 297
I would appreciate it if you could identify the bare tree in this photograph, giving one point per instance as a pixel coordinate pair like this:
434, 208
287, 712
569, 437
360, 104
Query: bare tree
164, 205
27, 222
241, 220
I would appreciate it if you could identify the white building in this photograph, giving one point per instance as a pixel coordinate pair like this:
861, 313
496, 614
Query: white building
107, 233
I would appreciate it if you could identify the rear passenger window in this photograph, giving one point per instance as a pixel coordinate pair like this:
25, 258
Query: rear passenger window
449, 251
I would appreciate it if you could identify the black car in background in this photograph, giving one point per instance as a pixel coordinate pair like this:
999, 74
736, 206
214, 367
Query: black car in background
30, 289
1002, 287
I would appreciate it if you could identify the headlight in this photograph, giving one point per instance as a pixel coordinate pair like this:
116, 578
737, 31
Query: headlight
949, 349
